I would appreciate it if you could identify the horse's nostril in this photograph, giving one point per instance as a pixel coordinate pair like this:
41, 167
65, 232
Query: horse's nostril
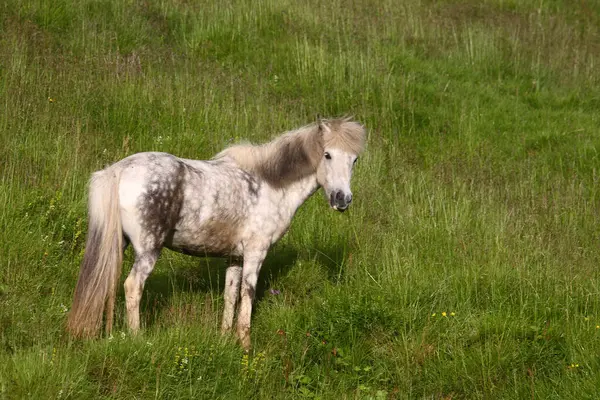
348, 198
339, 196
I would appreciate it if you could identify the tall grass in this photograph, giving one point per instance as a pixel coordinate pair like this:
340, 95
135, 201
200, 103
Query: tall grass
467, 267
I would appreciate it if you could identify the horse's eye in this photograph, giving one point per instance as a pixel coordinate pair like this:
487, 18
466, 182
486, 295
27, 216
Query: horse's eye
328, 156
355, 160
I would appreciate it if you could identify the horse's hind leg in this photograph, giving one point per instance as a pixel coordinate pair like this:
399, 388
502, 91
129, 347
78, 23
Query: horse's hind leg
233, 278
134, 285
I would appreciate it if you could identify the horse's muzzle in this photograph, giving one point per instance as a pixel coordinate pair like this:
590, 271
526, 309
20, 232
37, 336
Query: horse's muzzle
339, 200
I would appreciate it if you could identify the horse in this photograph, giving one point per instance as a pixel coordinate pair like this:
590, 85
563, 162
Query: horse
235, 205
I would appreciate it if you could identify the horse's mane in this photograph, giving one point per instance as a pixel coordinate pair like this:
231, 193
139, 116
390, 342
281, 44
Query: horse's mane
296, 154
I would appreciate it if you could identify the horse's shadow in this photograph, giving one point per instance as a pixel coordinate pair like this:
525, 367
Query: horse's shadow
207, 275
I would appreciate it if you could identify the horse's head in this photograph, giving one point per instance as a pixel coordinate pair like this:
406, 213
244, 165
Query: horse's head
343, 141
334, 174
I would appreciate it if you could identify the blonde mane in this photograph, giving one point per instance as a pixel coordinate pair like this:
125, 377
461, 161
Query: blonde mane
297, 154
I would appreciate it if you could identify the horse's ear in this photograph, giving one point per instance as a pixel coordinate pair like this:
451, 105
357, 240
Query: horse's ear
322, 124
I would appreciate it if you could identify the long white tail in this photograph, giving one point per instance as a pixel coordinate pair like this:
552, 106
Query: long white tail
101, 266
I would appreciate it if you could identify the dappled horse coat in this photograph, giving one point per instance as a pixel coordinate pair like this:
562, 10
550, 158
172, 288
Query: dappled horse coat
236, 205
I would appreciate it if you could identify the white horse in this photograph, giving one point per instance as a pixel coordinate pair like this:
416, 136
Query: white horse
236, 205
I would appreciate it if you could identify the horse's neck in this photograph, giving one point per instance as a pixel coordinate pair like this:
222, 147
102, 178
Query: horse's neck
296, 193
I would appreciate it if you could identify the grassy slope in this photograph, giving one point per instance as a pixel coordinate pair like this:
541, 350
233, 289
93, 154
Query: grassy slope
478, 195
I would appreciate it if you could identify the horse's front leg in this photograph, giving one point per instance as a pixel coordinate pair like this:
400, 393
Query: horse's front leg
252, 263
233, 278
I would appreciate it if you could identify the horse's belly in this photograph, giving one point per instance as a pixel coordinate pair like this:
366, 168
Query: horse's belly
209, 240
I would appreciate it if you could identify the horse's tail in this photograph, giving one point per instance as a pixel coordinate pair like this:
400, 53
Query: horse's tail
101, 267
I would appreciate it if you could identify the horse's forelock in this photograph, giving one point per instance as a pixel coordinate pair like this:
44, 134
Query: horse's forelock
344, 134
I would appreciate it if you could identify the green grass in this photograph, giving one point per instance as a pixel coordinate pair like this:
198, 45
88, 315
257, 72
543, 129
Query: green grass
477, 196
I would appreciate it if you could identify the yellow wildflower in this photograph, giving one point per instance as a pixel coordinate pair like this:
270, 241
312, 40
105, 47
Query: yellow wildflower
443, 313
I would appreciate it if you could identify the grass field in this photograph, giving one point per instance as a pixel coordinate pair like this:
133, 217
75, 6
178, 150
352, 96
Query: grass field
467, 266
